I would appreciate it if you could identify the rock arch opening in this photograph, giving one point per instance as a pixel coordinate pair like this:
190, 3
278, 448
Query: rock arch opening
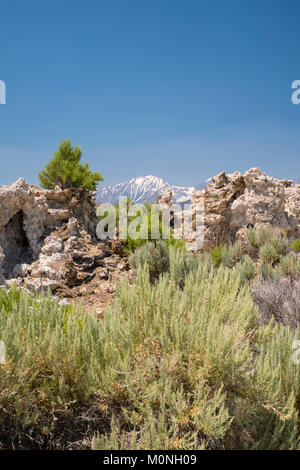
16, 246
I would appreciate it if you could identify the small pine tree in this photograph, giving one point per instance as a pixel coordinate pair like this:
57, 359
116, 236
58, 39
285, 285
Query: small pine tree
66, 171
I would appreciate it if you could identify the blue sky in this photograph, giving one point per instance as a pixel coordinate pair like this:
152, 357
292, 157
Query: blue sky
181, 89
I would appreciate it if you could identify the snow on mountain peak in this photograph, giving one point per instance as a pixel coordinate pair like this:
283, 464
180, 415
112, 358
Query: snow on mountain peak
143, 189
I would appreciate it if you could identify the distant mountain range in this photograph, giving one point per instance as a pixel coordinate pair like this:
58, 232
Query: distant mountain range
146, 189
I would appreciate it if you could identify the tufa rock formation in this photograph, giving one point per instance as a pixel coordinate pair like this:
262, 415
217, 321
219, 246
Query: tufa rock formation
165, 197
234, 202
47, 239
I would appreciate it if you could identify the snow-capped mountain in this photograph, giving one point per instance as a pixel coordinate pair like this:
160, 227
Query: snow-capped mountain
144, 189
203, 185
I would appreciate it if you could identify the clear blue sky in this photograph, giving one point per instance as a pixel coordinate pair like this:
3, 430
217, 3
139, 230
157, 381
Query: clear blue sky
181, 89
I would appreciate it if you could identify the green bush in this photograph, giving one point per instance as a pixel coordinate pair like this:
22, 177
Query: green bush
295, 245
170, 366
266, 271
159, 257
193, 370
289, 267
53, 361
278, 244
155, 256
270, 252
182, 264
265, 234
246, 269
251, 235
131, 243
258, 238
228, 256
231, 254
216, 254
66, 171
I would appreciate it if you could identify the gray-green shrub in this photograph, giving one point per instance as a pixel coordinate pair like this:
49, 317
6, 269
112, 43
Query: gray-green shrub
191, 367
271, 251
246, 269
289, 267
266, 271
258, 238
278, 299
231, 254
169, 366
153, 254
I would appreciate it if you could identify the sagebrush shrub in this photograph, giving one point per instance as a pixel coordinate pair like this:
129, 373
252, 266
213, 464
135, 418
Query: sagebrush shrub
246, 269
264, 234
268, 240
279, 244
266, 271
54, 355
289, 267
193, 354
269, 253
154, 255
231, 254
181, 264
251, 235
278, 299
258, 238
216, 254
171, 365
